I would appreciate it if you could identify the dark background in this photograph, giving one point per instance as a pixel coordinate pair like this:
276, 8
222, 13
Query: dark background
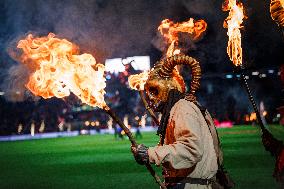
120, 28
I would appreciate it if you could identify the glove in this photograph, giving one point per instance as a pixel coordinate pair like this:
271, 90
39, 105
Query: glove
140, 154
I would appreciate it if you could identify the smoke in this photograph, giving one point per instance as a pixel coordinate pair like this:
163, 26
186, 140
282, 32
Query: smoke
14, 84
106, 29
119, 28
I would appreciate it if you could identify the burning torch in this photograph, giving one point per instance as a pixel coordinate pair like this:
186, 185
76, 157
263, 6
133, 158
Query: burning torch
137, 82
57, 70
194, 29
277, 12
233, 23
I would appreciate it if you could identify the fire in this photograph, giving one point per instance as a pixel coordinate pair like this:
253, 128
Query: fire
233, 23
253, 117
170, 30
277, 11
57, 70
138, 81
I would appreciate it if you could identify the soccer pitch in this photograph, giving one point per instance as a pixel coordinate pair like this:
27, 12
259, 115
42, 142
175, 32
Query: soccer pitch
100, 161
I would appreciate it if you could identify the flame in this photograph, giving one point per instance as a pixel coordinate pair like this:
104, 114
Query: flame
57, 70
253, 117
233, 23
277, 11
137, 81
170, 31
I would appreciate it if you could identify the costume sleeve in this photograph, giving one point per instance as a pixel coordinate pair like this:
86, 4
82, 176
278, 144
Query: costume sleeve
186, 151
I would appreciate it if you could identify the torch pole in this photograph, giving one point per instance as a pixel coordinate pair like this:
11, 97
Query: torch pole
270, 143
134, 143
152, 114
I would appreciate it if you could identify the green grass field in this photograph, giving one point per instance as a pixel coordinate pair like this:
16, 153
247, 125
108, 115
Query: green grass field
99, 161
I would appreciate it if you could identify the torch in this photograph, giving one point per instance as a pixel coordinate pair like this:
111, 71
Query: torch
277, 13
137, 82
233, 23
194, 29
134, 143
57, 70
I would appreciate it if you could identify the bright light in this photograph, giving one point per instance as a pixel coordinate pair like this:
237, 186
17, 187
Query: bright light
33, 129
97, 123
140, 62
87, 123
108, 77
42, 127
254, 73
2, 93
271, 71
114, 65
84, 132
264, 113
247, 77
229, 76
262, 75
109, 124
20, 128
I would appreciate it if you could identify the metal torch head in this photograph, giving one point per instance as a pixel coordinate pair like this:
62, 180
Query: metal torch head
164, 77
157, 87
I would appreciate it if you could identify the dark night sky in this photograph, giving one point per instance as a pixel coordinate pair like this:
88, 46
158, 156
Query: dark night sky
120, 28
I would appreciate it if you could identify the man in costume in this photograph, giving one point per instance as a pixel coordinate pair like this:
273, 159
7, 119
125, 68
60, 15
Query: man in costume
189, 148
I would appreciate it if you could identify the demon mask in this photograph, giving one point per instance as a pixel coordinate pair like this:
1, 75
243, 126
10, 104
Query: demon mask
164, 77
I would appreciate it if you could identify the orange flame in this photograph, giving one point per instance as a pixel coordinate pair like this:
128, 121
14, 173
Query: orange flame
57, 70
233, 23
138, 81
170, 31
252, 117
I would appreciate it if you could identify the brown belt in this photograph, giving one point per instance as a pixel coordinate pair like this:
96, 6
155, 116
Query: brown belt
190, 180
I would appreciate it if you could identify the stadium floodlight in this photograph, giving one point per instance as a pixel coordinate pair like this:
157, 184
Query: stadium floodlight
140, 62
229, 76
117, 65
254, 73
114, 65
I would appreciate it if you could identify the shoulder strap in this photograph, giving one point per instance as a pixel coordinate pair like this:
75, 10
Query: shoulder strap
214, 134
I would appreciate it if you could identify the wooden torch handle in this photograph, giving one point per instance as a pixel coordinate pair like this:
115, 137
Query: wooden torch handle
134, 143
154, 117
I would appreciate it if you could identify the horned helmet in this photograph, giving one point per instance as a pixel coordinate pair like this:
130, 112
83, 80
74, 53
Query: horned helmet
165, 77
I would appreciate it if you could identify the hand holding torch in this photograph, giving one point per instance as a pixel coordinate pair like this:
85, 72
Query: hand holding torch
57, 70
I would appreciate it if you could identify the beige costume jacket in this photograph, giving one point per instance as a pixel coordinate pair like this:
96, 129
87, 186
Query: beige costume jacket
188, 150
